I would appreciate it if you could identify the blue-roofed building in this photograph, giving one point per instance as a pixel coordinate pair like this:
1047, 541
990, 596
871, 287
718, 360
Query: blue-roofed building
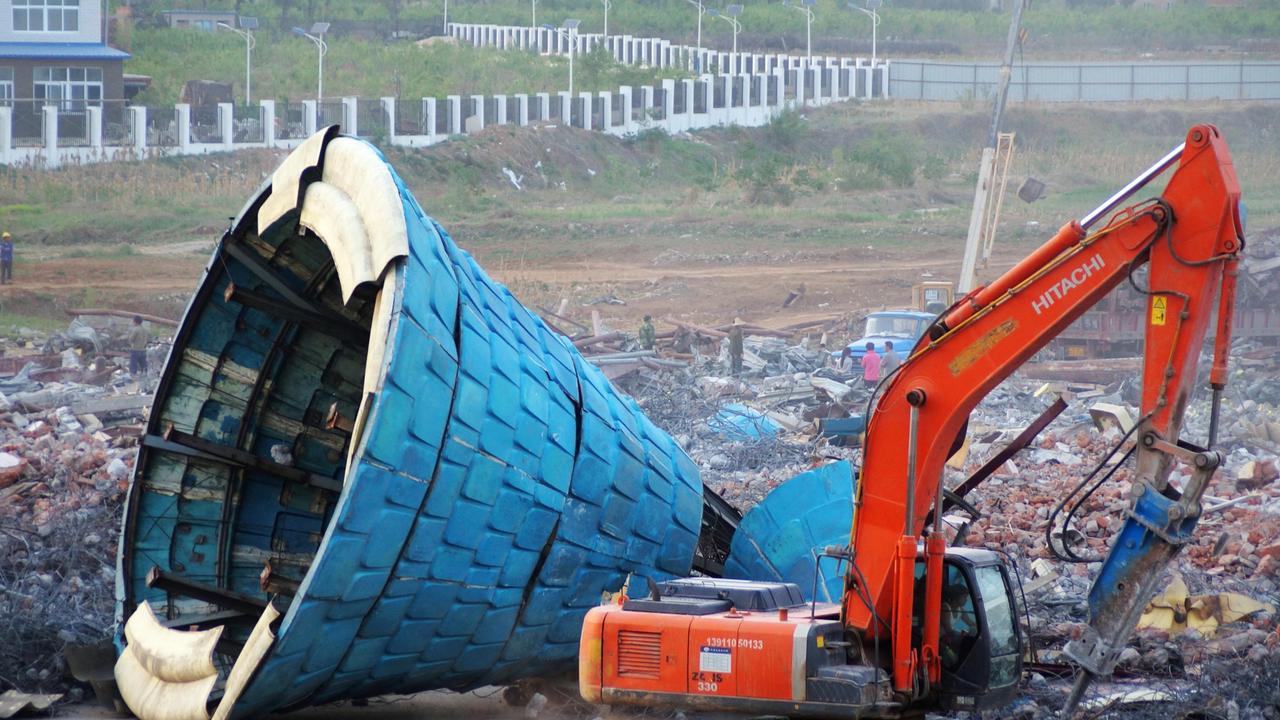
52, 52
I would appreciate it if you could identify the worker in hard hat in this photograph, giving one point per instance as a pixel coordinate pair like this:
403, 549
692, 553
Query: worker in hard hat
6, 258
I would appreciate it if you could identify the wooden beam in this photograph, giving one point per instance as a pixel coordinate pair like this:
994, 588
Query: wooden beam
329, 323
177, 585
240, 458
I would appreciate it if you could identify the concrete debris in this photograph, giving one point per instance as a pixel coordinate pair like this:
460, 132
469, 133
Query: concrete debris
16, 704
69, 427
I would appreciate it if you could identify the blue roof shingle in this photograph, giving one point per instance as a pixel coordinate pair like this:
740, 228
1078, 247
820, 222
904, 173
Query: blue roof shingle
56, 51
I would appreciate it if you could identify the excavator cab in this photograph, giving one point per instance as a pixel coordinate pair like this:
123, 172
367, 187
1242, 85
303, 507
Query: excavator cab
980, 644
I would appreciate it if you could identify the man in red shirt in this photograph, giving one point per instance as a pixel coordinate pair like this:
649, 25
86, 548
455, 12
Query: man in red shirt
871, 367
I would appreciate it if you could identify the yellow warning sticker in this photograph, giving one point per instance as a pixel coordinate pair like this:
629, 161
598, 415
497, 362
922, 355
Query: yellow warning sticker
1158, 304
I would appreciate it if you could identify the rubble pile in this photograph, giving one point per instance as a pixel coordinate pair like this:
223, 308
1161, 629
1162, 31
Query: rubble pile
69, 427
1199, 646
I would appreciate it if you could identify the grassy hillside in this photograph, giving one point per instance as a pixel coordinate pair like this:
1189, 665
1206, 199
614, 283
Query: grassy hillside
886, 172
1055, 28
843, 189
285, 67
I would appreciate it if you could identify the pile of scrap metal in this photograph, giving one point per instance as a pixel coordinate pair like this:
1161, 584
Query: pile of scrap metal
369, 469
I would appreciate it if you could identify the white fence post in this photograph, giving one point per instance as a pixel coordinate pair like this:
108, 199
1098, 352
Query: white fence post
350, 116
49, 116
429, 118
138, 116
6, 134
476, 120
522, 115
227, 124
95, 126
628, 124
606, 111
454, 102
588, 117
268, 122
184, 127
310, 117
389, 112
500, 110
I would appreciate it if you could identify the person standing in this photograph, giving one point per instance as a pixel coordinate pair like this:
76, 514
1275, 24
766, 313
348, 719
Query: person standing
138, 339
6, 259
890, 360
871, 367
735, 348
647, 334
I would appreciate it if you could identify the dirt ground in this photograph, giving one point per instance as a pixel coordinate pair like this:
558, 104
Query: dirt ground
713, 290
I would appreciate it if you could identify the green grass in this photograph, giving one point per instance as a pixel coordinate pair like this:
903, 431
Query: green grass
285, 68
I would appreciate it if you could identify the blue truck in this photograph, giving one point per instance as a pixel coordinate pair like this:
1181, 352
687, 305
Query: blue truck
903, 327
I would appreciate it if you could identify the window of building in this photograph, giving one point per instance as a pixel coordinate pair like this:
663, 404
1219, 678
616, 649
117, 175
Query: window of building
46, 15
6, 86
72, 89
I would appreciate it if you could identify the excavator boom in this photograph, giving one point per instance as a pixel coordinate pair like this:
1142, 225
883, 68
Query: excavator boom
1190, 237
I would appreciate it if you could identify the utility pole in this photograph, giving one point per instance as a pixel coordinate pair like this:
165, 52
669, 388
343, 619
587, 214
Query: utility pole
986, 167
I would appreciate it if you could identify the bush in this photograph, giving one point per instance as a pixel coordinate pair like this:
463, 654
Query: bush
893, 156
784, 130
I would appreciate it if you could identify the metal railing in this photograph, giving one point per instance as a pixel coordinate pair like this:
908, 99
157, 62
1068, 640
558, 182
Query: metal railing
1088, 82
248, 124
117, 124
206, 124
412, 117
329, 113
73, 128
28, 123
162, 127
371, 119
291, 120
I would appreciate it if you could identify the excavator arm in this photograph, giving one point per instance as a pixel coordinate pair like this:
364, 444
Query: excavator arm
1191, 238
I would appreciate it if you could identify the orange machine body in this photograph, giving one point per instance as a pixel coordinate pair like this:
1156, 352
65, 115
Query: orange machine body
735, 660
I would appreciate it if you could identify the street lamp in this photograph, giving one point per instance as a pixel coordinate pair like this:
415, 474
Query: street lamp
730, 15
607, 4
701, 11
533, 4
446, 17
316, 35
870, 11
249, 24
569, 31
806, 7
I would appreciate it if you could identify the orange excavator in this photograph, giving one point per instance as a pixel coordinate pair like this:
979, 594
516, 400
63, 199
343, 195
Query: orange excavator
927, 628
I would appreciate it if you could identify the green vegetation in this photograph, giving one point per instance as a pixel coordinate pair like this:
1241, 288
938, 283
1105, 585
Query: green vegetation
285, 67
1054, 26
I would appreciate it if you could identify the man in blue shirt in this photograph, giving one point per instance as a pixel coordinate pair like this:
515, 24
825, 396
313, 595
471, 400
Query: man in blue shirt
6, 258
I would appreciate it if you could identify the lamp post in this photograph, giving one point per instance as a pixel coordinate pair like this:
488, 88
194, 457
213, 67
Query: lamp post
607, 4
249, 24
446, 17
870, 11
701, 11
533, 7
316, 35
730, 15
806, 7
569, 31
